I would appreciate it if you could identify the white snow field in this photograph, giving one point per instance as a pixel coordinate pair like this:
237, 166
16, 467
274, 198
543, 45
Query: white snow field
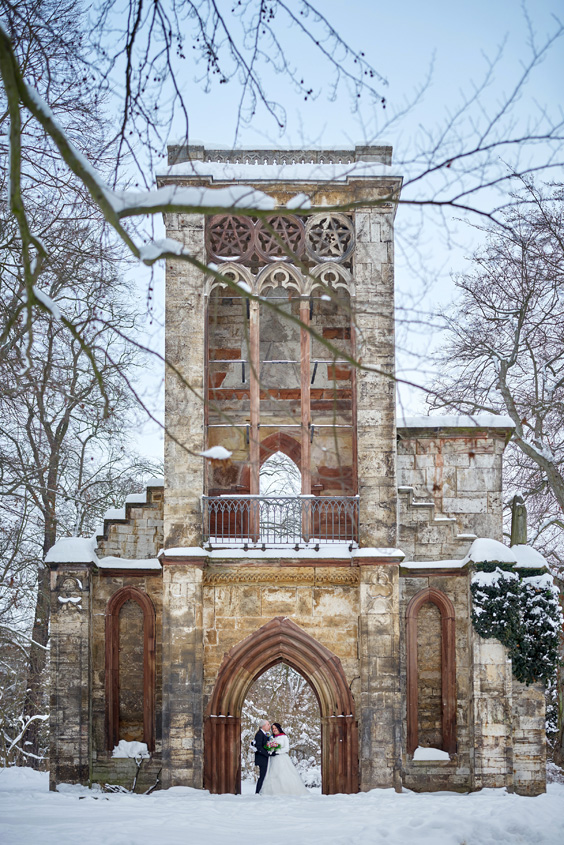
30, 814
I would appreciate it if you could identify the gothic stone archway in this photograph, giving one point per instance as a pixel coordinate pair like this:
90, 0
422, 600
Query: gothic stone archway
281, 641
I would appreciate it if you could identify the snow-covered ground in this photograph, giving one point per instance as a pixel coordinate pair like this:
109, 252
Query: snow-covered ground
30, 814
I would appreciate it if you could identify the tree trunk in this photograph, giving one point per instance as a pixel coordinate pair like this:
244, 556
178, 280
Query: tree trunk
36, 667
34, 699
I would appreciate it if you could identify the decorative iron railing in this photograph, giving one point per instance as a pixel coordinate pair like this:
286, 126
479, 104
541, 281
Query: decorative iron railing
279, 520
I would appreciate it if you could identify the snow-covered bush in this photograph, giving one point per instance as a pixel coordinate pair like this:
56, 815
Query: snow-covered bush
522, 611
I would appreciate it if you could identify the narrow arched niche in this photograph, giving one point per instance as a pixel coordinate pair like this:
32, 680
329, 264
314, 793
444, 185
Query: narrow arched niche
447, 670
142, 704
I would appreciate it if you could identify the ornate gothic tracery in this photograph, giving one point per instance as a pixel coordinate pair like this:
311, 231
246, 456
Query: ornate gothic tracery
280, 237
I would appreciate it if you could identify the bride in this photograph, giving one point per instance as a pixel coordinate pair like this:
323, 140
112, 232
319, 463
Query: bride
282, 777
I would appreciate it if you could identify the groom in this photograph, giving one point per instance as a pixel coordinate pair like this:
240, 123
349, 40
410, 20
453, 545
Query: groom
261, 754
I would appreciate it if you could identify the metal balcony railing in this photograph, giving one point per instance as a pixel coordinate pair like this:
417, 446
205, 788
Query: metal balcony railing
279, 520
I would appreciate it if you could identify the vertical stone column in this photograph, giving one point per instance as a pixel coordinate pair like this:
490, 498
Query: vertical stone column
183, 674
380, 698
529, 739
71, 620
184, 385
491, 709
376, 391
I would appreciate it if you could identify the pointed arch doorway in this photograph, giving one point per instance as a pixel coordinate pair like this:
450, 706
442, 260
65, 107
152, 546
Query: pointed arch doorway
281, 641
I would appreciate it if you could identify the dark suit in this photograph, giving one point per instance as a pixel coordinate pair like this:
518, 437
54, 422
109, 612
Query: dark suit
261, 757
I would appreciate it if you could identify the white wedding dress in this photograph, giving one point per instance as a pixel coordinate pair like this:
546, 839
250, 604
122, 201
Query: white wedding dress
282, 777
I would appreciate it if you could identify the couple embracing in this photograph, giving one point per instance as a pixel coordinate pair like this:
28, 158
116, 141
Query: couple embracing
278, 775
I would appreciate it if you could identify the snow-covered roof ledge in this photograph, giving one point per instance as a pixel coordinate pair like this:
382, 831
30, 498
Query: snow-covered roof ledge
329, 551
456, 421
485, 550
83, 550
128, 563
73, 550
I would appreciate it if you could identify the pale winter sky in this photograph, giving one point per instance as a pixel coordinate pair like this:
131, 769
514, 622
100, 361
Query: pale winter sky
408, 43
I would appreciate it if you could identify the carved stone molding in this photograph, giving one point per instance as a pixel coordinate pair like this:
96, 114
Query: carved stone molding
291, 575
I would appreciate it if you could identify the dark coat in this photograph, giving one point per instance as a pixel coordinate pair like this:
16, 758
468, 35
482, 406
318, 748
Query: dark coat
261, 753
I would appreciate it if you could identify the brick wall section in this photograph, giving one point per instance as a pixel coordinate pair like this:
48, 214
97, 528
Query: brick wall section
104, 768
429, 691
131, 672
70, 674
456, 773
460, 473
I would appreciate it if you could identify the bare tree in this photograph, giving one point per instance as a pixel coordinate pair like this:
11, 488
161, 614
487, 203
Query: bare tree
457, 161
504, 352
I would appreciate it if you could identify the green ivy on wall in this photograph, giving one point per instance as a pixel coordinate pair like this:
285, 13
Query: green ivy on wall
521, 610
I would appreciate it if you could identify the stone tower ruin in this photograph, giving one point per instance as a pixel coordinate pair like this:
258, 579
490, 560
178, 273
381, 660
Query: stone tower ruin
353, 568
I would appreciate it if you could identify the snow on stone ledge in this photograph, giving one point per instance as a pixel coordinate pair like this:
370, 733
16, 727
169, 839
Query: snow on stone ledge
293, 171
157, 481
456, 421
421, 753
73, 550
484, 550
136, 499
111, 562
528, 558
336, 551
115, 513
434, 564
125, 750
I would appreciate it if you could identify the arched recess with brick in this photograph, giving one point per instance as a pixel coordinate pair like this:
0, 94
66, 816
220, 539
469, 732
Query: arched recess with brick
281, 641
277, 442
448, 668
113, 608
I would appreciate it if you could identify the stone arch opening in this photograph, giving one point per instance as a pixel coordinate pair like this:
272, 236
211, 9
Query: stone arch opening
448, 668
112, 661
283, 695
281, 641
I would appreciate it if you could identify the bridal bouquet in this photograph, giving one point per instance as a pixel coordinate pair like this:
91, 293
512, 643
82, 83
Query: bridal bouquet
273, 745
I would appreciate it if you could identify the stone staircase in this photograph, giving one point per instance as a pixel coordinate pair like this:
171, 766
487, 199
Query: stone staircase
134, 531
425, 534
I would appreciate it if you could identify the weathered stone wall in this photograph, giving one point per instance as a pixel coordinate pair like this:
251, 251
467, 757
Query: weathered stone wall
239, 600
380, 710
376, 394
184, 385
70, 674
140, 535
529, 738
455, 773
104, 585
182, 721
455, 495
491, 705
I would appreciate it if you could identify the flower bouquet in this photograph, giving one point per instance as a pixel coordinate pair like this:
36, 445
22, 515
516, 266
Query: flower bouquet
273, 745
